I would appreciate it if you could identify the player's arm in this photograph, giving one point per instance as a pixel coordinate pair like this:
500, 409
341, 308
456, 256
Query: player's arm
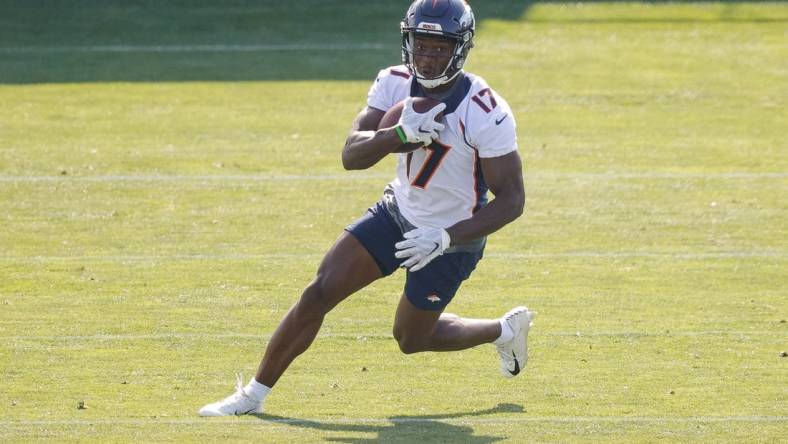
366, 144
504, 177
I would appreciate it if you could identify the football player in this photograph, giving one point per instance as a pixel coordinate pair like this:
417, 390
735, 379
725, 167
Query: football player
433, 218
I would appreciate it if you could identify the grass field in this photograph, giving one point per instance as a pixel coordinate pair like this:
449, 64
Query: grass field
170, 179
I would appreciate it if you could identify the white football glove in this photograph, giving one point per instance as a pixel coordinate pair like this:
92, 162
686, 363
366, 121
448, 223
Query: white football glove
420, 127
421, 246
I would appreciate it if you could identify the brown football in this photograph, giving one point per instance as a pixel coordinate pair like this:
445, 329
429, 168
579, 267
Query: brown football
420, 105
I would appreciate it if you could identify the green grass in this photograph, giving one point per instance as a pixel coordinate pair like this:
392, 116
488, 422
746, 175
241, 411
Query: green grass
157, 221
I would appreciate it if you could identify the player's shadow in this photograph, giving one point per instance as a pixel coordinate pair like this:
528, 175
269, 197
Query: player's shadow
406, 428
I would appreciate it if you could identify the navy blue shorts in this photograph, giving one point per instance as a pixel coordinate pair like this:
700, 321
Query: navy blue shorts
432, 287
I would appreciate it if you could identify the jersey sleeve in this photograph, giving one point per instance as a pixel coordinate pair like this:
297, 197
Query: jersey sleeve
496, 133
380, 93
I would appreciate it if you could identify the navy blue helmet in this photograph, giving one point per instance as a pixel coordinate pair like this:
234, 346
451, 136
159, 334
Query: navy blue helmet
451, 19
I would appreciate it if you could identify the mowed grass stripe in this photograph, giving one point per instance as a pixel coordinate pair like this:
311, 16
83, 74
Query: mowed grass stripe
492, 255
508, 420
370, 176
385, 336
187, 48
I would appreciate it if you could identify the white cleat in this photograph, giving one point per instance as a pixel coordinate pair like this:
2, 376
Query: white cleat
514, 354
239, 403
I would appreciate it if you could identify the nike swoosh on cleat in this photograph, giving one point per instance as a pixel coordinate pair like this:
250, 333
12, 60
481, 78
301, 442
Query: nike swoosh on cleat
498, 122
516, 366
237, 413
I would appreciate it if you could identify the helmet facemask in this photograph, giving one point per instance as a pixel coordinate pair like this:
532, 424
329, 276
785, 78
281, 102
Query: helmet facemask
448, 19
454, 64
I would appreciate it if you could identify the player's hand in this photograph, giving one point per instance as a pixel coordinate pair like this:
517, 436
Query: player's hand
420, 127
421, 246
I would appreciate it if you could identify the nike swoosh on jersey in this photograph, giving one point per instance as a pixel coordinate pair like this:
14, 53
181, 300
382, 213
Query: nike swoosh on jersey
498, 121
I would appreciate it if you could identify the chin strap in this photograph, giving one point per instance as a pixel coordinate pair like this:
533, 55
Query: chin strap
434, 83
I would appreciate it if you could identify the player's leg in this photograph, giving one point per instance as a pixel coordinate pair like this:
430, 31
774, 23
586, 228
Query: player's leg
346, 268
360, 256
418, 330
421, 325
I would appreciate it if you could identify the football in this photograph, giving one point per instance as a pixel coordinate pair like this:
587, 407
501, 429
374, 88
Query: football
420, 105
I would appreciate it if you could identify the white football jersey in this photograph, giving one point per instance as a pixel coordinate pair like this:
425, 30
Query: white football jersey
442, 184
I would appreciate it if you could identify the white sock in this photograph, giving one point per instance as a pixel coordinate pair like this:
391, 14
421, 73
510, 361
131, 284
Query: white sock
256, 390
507, 334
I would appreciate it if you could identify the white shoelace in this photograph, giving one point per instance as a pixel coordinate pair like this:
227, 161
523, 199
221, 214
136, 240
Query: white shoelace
239, 389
